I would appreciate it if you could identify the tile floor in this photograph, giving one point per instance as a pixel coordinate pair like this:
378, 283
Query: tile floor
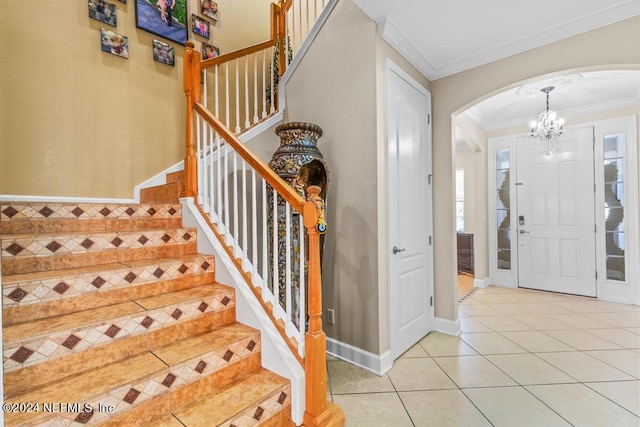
524, 358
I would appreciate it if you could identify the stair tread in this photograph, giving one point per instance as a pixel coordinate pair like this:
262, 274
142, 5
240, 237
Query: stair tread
46, 326
83, 387
169, 421
231, 400
189, 348
77, 320
49, 274
170, 298
31, 236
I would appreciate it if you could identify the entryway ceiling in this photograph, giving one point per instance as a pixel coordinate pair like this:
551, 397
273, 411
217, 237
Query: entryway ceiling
444, 37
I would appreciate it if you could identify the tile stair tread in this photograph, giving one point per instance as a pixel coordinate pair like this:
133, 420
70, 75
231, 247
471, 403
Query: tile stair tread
46, 326
33, 236
83, 387
231, 400
189, 348
170, 298
50, 274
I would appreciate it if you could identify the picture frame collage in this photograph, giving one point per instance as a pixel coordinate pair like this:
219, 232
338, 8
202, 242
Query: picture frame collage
202, 27
167, 19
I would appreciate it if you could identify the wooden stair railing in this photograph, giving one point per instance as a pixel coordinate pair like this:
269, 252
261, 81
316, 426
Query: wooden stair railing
232, 184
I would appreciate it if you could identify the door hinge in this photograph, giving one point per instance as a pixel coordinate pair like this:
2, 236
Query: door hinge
594, 188
431, 301
595, 228
429, 178
429, 240
596, 275
428, 119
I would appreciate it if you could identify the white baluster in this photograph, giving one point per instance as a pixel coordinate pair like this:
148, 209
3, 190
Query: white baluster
219, 181
303, 297
254, 227
227, 225
245, 244
199, 152
227, 115
255, 87
237, 130
264, 82
203, 165
212, 207
217, 98
204, 88
273, 89
236, 224
275, 256
265, 241
287, 261
247, 122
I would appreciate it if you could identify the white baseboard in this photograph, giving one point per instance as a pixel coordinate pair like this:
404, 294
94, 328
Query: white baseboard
261, 127
378, 364
481, 283
446, 326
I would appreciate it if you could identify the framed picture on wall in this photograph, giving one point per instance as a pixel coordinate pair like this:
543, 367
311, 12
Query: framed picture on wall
103, 12
164, 18
163, 52
209, 51
114, 43
200, 26
209, 8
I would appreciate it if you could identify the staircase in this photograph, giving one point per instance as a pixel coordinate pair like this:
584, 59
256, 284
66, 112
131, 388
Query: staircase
111, 317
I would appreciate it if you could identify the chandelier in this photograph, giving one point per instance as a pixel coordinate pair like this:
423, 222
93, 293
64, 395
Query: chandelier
548, 127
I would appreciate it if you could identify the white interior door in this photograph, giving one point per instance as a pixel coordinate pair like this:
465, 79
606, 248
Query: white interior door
555, 213
410, 254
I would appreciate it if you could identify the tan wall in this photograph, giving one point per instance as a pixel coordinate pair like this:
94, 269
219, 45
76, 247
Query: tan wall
334, 87
474, 162
614, 44
76, 121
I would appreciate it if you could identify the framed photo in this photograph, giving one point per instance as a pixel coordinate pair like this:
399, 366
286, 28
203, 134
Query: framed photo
103, 12
164, 18
200, 26
114, 43
163, 52
209, 51
209, 8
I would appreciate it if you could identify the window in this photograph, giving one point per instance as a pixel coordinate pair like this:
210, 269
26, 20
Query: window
460, 199
503, 209
614, 188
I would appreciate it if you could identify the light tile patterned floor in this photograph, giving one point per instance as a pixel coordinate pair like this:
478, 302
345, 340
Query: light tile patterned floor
524, 358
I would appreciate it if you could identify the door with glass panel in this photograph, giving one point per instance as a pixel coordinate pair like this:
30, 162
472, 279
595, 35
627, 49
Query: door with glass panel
556, 214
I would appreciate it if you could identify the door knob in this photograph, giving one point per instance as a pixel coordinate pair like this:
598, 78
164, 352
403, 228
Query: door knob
521, 231
396, 250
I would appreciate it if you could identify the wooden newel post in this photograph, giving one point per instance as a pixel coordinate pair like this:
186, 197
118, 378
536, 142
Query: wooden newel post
318, 411
191, 86
282, 37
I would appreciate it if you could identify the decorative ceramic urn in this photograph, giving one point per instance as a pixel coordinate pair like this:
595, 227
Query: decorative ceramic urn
299, 162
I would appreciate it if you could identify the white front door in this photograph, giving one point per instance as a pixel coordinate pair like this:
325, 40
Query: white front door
410, 250
555, 215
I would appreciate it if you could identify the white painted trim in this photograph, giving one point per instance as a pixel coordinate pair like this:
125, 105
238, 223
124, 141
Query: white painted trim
378, 364
256, 130
158, 179
396, 37
446, 326
276, 355
481, 283
56, 199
